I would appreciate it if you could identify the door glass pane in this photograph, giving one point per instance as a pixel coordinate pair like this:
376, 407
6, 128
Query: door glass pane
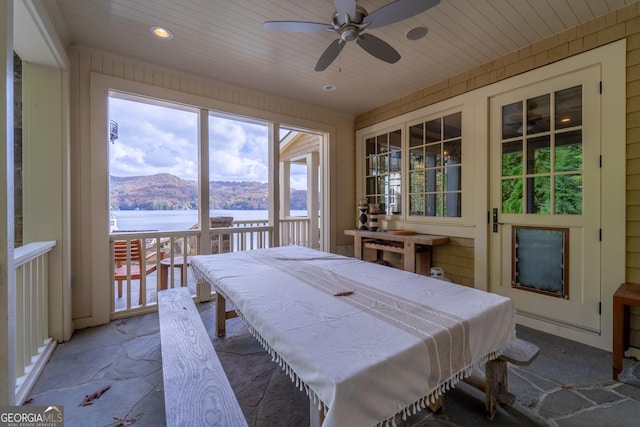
434, 158
452, 179
372, 165
434, 133
538, 114
538, 155
383, 164
416, 202
452, 204
512, 195
431, 205
382, 143
416, 182
512, 158
395, 140
371, 185
569, 151
568, 103
416, 158
453, 152
539, 195
512, 120
370, 146
568, 194
395, 161
416, 135
453, 126
382, 185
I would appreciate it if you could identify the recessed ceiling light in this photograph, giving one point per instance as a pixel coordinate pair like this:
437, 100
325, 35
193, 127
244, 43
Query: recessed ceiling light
416, 33
161, 32
329, 88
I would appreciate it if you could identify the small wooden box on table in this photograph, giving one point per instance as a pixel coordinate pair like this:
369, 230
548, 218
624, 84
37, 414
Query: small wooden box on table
409, 245
627, 296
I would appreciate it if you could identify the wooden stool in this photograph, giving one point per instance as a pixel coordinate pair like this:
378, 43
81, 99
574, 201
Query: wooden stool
627, 295
165, 263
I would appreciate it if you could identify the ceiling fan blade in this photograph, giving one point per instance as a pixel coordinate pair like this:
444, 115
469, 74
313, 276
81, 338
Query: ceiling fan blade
330, 54
344, 8
397, 11
298, 26
378, 48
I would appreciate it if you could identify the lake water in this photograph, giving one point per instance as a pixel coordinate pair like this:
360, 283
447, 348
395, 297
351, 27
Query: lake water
180, 220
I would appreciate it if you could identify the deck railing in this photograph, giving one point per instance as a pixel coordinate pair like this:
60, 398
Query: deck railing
167, 255
34, 345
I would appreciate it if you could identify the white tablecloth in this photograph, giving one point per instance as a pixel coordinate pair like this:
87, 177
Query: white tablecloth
399, 337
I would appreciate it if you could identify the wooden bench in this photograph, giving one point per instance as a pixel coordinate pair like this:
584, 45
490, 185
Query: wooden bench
196, 389
493, 381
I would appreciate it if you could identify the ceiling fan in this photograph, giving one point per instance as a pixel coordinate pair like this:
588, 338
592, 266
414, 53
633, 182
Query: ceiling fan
350, 20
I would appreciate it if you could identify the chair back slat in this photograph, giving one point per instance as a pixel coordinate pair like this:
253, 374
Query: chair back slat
120, 250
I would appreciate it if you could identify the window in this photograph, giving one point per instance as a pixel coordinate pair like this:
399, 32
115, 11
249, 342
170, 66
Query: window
435, 167
384, 171
542, 154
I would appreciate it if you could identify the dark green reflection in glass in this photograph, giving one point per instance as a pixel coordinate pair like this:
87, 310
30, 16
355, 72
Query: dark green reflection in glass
512, 158
568, 194
539, 195
569, 151
538, 155
512, 195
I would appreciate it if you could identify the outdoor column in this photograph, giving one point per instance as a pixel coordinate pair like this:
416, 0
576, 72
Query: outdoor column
274, 183
285, 189
203, 290
7, 270
313, 162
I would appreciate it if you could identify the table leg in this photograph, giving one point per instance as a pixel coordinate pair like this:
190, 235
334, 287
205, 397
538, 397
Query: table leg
221, 315
357, 247
409, 255
316, 416
619, 309
164, 273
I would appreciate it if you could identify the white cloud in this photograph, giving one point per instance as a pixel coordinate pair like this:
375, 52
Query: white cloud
155, 139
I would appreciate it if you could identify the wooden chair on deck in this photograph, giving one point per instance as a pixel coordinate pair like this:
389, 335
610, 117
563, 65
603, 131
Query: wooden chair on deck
137, 252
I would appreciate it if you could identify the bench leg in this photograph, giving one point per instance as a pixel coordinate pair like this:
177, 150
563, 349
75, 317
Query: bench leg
437, 405
221, 315
316, 416
496, 386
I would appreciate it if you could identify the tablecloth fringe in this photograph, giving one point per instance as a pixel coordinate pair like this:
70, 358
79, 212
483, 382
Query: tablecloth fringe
432, 397
407, 411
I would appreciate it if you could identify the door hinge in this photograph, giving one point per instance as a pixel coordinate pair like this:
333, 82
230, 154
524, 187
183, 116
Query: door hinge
600, 160
600, 87
600, 307
600, 234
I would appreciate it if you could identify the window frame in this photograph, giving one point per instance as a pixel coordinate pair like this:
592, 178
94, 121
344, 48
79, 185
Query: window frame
404, 122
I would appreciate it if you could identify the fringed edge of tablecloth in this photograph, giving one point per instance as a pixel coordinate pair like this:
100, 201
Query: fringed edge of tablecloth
432, 397
275, 357
407, 411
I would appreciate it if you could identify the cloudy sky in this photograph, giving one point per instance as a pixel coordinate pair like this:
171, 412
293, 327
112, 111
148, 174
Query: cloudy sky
153, 139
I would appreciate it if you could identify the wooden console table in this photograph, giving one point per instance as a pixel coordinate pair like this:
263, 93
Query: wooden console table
627, 296
409, 245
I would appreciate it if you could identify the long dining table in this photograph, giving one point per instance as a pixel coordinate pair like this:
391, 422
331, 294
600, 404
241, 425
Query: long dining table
365, 341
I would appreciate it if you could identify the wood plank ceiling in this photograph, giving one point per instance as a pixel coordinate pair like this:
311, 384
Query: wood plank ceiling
226, 41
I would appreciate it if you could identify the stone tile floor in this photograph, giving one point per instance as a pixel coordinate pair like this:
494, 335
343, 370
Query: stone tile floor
569, 384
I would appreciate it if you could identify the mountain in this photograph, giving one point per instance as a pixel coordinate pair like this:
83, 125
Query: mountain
165, 191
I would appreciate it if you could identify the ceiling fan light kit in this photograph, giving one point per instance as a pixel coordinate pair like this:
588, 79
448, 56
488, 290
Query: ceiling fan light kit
350, 20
